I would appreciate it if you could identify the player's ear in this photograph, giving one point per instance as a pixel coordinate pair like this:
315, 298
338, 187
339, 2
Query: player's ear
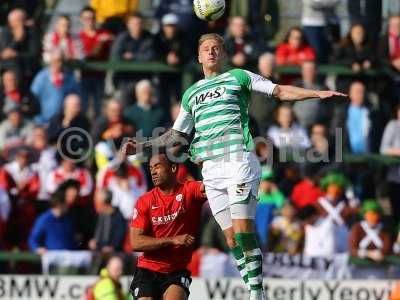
199, 59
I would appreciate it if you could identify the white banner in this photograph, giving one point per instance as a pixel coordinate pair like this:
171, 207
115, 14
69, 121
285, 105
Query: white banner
283, 265
73, 287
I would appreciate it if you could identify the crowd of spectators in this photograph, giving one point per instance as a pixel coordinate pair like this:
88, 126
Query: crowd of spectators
310, 201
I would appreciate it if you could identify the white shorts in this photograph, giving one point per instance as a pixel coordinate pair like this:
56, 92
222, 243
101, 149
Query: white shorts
232, 187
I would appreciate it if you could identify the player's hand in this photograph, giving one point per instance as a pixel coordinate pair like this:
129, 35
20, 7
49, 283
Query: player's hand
183, 240
129, 148
329, 94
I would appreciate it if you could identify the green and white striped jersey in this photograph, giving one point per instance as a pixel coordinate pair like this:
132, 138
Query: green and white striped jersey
217, 108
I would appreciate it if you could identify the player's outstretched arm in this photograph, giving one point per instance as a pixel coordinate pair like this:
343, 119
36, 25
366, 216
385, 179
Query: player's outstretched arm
170, 139
293, 93
142, 243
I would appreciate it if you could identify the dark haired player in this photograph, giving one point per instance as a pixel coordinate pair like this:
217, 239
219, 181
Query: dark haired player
163, 227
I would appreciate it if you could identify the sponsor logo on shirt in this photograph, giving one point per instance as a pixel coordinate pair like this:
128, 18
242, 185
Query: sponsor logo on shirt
210, 94
161, 220
164, 219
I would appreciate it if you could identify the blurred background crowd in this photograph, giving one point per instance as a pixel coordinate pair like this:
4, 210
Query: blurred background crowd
50, 199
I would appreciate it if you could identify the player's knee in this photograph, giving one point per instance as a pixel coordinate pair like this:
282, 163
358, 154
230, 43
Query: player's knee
243, 225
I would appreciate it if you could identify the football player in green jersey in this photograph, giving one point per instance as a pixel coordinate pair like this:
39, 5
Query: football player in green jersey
216, 107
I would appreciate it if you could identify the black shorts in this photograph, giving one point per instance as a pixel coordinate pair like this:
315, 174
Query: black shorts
147, 283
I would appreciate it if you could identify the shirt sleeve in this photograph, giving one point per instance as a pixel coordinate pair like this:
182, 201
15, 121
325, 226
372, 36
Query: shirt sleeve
184, 122
140, 218
198, 194
261, 84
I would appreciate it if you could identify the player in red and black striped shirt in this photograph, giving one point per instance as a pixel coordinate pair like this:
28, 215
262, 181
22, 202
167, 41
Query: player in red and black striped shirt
163, 227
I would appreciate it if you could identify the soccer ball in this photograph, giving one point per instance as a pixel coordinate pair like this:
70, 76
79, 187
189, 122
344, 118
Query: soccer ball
209, 10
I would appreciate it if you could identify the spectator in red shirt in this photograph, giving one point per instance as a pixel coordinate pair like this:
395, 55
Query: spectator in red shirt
46, 162
295, 49
164, 224
127, 183
307, 191
19, 178
62, 40
69, 170
391, 43
22, 184
96, 45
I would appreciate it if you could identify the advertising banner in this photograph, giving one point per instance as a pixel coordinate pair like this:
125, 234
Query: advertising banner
73, 287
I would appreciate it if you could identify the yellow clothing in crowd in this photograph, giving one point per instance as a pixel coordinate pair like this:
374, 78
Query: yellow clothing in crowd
107, 289
113, 8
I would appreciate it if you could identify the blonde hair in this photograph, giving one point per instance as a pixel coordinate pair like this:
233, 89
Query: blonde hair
212, 36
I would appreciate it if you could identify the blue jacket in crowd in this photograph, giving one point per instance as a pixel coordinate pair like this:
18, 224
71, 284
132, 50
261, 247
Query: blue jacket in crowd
52, 233
51, 97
